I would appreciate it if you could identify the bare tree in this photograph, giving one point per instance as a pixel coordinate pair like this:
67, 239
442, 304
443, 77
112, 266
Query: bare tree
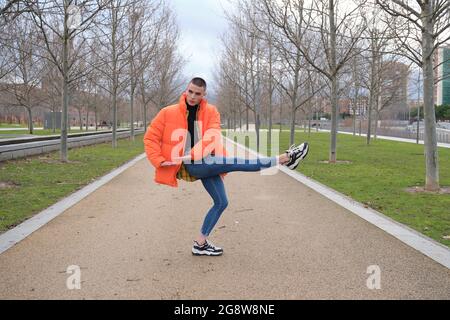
63, 25
378, 38
9, 6
138, 15
227, 79
421, 26
11, 9
234, 72
89, 93
113, 54
161, 80
358, 72
24, 81
245, 47
134, 17
297, 83
338, 33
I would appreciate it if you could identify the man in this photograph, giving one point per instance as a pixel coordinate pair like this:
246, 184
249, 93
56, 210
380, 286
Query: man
200, 154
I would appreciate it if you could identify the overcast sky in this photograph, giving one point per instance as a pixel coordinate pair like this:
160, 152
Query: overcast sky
201, 24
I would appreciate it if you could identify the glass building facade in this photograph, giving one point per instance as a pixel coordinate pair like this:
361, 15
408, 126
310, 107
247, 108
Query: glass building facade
443, 72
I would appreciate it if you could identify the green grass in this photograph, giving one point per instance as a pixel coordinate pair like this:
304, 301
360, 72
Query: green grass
38, 182
378, 175
12, 125
4, 134
41, 132
277, 127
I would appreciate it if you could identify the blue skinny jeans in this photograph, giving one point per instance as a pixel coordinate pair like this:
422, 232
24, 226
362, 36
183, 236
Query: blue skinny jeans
209, 170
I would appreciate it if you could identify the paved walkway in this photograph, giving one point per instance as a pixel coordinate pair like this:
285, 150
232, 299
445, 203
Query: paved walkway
132, 240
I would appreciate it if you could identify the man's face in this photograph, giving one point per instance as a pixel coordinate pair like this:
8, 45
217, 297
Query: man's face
194, 94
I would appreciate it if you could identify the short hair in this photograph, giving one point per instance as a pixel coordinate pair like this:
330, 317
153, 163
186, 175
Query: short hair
199, 82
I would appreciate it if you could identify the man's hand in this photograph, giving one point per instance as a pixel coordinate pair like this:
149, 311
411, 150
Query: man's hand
176, 161
168, 163
181, 159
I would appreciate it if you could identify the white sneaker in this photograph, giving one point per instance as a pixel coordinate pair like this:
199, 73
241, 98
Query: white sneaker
207, 249
296, 154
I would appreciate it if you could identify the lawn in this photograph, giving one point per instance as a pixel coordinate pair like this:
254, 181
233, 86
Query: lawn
378, 175
12, 125
27, 186
41, 132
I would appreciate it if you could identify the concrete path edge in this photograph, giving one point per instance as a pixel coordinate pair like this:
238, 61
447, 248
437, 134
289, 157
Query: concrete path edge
17, 234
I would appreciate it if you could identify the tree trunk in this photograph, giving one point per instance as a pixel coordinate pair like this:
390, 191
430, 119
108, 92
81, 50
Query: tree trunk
292, 134
87, 119
115, 80
375, 130
373, 90
334, 106
281, 115
309, 125
418, 126
132, 113
54, 120
354, 122
240, 120
246, 105
317, 121
369, 119
360, 124
65, 95
145, 116
431, 150
114, 106
257, 124
270, 91
80, 116
132, 79
30, 120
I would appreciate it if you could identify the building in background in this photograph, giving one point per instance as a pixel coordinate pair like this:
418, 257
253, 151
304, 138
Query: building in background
442, 89
393, 99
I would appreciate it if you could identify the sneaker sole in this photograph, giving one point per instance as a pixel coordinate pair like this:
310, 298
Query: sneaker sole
303, 156
196, 252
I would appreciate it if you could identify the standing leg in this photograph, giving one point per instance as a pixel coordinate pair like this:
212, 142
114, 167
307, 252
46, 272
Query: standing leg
216, 189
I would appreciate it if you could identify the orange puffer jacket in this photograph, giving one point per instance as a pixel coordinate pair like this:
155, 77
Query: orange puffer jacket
166, 136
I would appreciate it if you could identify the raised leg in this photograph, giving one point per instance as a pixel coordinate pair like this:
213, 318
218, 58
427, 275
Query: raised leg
213, 166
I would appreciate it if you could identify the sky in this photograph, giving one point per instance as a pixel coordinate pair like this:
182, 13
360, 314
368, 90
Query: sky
201, 23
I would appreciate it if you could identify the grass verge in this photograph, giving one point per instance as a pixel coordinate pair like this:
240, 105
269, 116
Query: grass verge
39, 132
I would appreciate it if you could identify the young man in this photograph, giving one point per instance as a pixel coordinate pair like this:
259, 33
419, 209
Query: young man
201, 155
